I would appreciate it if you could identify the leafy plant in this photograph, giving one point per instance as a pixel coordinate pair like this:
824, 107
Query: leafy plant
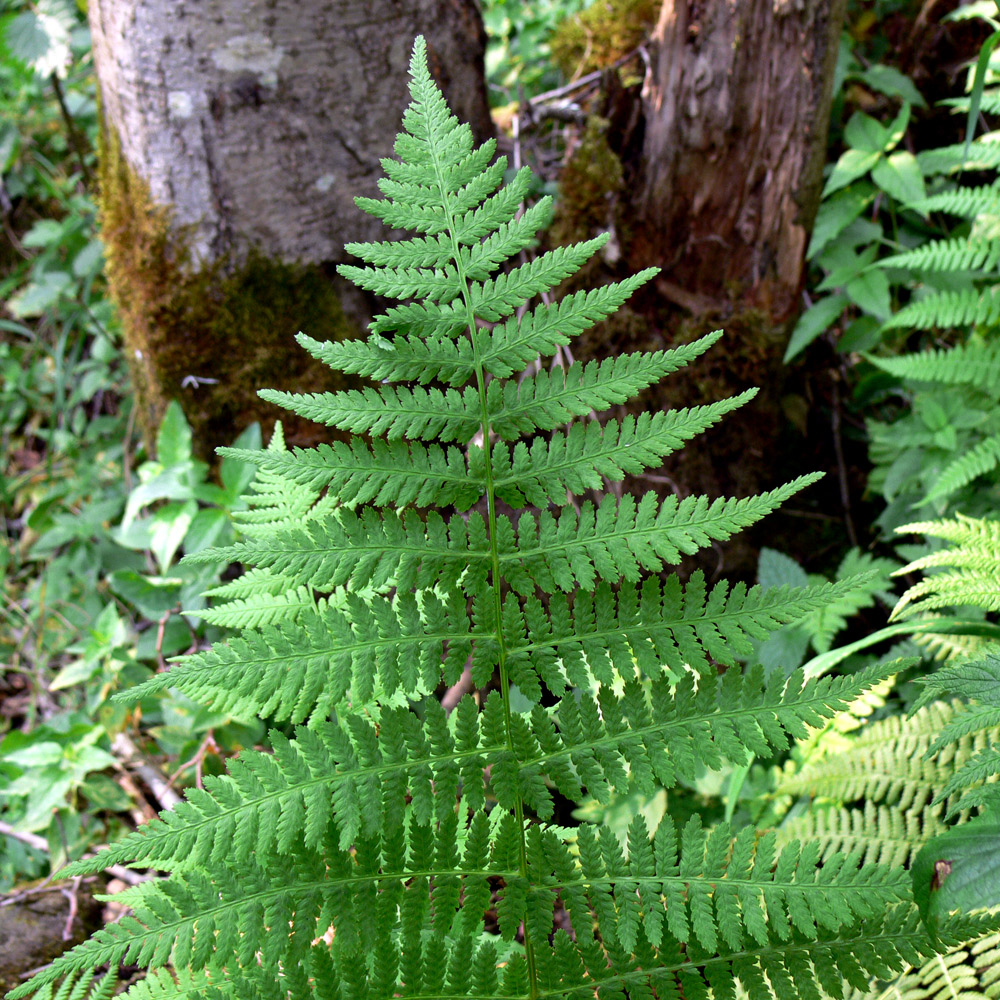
122, 617
518, 54
376, 849
958, 869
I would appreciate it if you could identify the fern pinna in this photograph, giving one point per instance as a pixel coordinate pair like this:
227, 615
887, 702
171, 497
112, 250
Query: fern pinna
390, 848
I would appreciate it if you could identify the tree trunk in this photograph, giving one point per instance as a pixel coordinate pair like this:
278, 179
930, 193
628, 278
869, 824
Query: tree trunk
737, 107
714, 164
236, 134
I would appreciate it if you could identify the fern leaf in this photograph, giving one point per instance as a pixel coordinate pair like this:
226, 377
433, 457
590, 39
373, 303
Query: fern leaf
385, 847
304, 668
888, 764
372, 550
575, 461
962, 253
982, 458
418, 414
385, 474
880, 834
966, 307
548, 399
976, 365
261, 609
966, 202
623, 538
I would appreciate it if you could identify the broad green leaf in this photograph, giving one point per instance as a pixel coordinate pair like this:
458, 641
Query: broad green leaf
900, 177
837, 213
168, 526
864, 133
888, 80
862, 335
236, 476
870, 291
959, 870
173, 442
153, 596
775, 569
853, 265
896, 129
40, 38
36, 755
853, 163
815, 321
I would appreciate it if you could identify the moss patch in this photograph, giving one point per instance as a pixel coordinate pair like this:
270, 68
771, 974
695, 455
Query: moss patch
600, 35
229, 321
589, 186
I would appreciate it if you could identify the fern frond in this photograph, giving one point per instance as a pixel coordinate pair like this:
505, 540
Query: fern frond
961, 253
888, 763
966, 307
382, 473
654, 626
975, 364
548, 399
880, 834
368, 855
966, 202
982, 154
274, 500
303, 668
358, 776
710, 888
575, 461
418, 414
373, 549
982, 458
259, 608
623, 538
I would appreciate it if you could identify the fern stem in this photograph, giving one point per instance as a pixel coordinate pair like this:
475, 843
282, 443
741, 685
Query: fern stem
496, 575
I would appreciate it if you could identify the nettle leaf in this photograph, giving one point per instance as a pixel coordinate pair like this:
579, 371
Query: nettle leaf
40, 37
395, 843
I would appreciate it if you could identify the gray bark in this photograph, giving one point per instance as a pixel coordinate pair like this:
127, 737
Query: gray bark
259, 121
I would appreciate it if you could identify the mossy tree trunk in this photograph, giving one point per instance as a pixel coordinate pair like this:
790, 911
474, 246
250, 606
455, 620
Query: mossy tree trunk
236, 134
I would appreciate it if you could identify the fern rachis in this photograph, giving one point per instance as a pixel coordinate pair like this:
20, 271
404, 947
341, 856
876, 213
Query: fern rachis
359, 858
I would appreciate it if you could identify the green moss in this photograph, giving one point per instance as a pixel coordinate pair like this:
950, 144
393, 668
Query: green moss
588, 187
230, 321
600, 35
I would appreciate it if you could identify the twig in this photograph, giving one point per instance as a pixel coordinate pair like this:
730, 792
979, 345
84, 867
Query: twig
41, 844
198, 760
461, 687
75, 139
31, 839
160, 632
70, 892
126, 751
584, 81
845, 495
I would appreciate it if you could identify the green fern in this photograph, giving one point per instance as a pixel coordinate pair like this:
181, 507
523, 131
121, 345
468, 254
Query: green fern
362, 856
971, 567
895, 761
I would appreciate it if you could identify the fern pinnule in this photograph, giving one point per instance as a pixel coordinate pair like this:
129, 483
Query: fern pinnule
387, 847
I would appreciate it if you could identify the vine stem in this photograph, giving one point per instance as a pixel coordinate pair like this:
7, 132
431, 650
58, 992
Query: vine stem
496, 576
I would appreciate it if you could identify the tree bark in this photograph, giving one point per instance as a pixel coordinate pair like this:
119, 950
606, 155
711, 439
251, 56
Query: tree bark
236, 134
720, 154
736, 108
